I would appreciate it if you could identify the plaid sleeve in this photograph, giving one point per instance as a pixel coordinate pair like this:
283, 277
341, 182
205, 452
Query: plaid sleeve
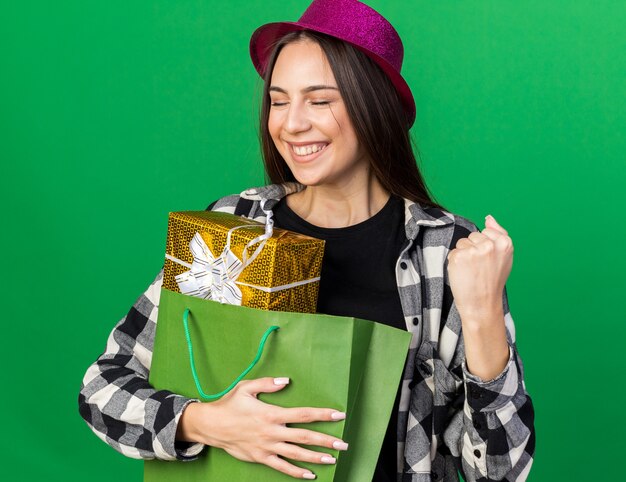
494, 433
116, 400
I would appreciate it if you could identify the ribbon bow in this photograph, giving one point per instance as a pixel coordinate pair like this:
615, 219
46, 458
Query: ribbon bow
215, 278
210, 277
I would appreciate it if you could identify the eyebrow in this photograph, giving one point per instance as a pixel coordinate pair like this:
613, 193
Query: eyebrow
306, 90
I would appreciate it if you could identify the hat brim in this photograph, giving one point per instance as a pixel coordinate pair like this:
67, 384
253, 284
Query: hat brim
265, 37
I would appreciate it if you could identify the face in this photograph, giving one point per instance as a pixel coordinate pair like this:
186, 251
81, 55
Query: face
308, 120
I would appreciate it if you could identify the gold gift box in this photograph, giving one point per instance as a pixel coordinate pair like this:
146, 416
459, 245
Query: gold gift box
286, 258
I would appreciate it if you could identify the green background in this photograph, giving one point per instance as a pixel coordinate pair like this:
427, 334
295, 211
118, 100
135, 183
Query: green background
114, 113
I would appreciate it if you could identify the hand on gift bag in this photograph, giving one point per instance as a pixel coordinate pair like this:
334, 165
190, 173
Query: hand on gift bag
254, 431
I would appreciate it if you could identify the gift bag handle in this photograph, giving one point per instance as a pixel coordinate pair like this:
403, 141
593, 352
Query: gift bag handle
238, 379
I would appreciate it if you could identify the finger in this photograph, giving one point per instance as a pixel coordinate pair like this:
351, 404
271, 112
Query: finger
275, 462
294, 452
263, 385
504, 244
310, 414
304, 436
490, 222
464, 243
493, 234
477, 237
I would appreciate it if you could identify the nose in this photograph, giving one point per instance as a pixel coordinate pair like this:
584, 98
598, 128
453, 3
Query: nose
297, 119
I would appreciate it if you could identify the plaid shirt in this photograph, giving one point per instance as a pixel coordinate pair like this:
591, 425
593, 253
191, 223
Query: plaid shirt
448, 420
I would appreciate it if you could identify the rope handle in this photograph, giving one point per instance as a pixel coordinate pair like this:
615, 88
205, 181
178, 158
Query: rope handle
238, 379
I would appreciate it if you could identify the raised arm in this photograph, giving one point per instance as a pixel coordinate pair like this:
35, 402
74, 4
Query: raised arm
494, 433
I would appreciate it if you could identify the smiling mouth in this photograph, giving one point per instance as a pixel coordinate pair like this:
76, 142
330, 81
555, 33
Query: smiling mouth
308, 150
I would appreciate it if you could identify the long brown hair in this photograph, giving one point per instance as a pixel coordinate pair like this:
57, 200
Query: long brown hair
375, 110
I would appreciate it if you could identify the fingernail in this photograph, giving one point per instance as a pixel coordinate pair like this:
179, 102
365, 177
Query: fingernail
281, 381
327, 459
309, 475
340, 445
338, 415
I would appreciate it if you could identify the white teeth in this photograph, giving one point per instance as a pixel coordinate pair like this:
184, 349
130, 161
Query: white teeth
306, 150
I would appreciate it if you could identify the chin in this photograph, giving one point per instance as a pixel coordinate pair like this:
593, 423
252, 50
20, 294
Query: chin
304, 179
308, 181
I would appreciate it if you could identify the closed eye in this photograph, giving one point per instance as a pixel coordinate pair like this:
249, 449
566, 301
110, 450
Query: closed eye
281, 104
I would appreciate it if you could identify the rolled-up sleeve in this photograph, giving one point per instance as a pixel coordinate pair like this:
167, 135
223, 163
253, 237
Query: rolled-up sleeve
495, 434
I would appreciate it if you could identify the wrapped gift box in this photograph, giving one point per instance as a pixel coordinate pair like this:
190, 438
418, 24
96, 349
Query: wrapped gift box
280, 273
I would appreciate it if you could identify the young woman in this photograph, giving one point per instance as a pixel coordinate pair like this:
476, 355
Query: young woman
335, 126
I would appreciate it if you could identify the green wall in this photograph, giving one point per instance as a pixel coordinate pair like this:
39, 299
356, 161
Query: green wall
114, 113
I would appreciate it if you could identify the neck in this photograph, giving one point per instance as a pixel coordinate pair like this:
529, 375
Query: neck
333, 206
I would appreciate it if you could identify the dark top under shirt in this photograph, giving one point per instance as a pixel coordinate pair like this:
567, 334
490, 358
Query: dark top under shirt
358, 279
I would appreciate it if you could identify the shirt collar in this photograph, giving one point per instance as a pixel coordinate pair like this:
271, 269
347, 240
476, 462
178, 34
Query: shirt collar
415, 214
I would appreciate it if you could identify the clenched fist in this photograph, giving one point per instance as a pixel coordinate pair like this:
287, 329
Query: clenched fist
478, 269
